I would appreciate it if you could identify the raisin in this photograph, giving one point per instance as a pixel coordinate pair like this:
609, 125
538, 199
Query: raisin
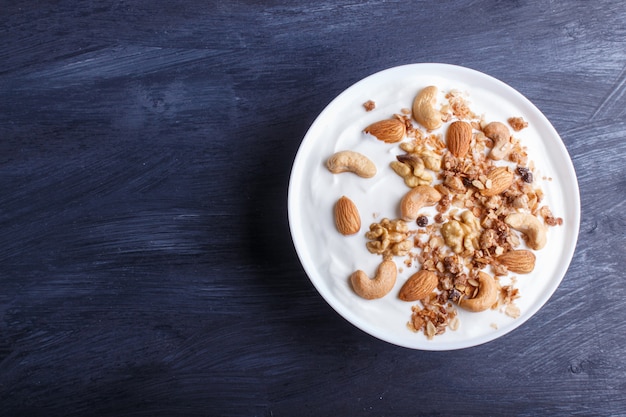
467, 182
525, 173
422, 221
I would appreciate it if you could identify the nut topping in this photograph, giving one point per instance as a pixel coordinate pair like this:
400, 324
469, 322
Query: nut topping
347, 217
458, 137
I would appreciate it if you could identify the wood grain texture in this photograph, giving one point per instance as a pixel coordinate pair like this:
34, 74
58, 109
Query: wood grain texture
146, 265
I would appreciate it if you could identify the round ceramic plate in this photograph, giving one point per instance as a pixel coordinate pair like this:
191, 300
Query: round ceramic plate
329, 257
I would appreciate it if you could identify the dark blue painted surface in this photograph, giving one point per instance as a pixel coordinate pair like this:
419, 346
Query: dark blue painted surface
146, 266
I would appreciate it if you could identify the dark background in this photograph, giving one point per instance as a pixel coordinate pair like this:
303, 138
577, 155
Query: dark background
146, 265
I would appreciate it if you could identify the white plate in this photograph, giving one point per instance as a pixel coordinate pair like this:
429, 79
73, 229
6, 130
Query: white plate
329, 258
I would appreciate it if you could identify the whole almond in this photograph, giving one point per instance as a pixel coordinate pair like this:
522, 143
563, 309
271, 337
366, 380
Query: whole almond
418, 286
389, 130
520, 261
458, 138
347, 218
498, 180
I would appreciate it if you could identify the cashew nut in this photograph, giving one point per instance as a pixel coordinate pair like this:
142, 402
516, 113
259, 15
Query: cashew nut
350, 161
414, 200
500, 134
532, 228
376, 287
424, 111
486, 297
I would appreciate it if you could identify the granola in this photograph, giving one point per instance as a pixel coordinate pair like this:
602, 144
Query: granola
468, 232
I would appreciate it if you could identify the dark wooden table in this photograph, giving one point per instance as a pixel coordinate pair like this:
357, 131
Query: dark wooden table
146, 263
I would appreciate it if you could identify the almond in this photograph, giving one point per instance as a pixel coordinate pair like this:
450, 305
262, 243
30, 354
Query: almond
389, 131
347, 218
418, 286
498, 180
520, 261
458, 138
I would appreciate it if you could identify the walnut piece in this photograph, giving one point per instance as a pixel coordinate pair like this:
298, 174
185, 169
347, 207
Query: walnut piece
389, 238
412, 169
462, 235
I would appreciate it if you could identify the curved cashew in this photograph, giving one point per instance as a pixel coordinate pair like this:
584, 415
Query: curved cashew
424, 111
377, 287
486, 297
350, 161
530, 226
500, 134
414, 200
